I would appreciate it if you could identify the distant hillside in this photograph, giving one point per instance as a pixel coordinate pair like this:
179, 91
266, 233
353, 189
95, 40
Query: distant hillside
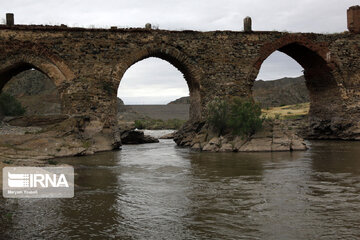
163, 112
285, 91
182, 100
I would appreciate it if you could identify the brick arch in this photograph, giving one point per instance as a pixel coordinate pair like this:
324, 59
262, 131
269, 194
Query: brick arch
320, 70
17, 63
57, 71
190, 70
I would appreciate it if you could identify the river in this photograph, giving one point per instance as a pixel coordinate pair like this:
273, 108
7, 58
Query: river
161, 191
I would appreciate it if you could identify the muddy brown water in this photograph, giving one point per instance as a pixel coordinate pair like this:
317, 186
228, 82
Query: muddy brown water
160, 191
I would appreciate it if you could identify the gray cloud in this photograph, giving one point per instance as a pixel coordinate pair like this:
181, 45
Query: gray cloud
152, 81
324, 16
279, 65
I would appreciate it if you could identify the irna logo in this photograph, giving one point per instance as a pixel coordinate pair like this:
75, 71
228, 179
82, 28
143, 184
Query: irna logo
36, 180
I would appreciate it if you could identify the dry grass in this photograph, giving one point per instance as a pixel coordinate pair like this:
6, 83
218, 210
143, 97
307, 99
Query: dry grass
288, 111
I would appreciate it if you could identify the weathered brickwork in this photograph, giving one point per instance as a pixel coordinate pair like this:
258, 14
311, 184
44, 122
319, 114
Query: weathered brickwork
353, 19
87, 66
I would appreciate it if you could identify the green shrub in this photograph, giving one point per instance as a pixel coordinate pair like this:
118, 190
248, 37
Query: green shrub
245, 117
218, 114
139, 124
10, 105
240, 116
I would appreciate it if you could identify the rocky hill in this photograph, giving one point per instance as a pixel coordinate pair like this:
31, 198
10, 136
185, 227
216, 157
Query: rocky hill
275, 93
182, 100
285, 91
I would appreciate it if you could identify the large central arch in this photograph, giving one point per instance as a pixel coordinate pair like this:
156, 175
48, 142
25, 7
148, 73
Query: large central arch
319, 72
192, 73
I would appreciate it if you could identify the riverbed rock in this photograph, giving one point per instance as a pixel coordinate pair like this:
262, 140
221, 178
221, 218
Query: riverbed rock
275, 135
211, 148
187, 133
136, 137
168, 136
298, 144
75, 136
238, 142
226, 147
196, 146
257, 145
213, 145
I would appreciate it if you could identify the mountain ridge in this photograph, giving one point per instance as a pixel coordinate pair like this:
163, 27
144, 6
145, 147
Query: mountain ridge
273, 93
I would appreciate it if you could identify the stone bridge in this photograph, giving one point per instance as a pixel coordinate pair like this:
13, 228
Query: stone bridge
87, 66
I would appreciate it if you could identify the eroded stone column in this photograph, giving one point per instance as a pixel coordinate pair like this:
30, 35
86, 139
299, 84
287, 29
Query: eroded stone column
247, 24
353, 19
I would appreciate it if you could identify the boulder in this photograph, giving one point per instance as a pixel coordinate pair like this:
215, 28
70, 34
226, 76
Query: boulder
210, 148
298, 144
168, 136
196, 146
281, 144
200, 138
136, 137
213, 145
257, 145
215, 141
238, 142
226, 147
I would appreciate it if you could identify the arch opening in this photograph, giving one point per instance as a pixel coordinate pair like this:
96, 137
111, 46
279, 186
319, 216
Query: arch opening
318, 76
280, 82
26, 84
153, 90
176, 60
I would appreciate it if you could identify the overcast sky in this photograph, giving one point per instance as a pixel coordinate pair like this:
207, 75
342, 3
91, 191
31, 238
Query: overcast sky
164, 82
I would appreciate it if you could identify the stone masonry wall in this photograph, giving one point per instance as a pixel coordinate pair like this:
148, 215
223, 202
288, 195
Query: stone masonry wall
87, 66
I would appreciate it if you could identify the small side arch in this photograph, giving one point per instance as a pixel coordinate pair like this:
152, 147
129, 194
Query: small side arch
51, 66
18, 63
192, 73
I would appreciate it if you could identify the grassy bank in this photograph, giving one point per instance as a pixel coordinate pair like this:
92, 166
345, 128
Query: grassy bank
287, 112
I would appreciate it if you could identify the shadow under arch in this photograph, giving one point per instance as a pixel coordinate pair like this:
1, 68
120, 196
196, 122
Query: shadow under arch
191, 72
15, 64
319, 71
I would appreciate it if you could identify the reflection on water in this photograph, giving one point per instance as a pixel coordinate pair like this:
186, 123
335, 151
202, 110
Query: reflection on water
160, 191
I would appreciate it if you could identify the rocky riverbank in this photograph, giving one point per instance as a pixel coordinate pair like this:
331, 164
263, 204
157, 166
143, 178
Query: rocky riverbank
276, 135
74, 136
77, 136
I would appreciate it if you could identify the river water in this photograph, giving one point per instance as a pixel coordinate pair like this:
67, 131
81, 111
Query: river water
161, 191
